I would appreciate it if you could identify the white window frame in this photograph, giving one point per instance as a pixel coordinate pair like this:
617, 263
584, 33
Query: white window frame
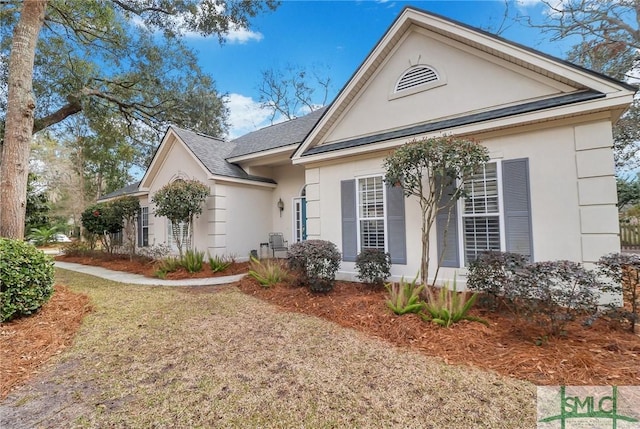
144, 215
170, 241
359, 216
500, 215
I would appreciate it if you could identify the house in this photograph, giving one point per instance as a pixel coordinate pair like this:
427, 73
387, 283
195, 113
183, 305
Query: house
549, 188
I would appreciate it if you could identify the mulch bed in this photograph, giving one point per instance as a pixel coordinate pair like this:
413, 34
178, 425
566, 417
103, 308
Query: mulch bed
148, 269
28, 342
599, 355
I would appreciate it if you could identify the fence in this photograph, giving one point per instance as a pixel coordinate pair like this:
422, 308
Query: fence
629, 235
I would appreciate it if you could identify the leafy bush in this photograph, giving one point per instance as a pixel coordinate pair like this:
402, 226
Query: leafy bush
181, 202
623, 273
219, 263
316, 263
493, 272
157, 251
446, 306
76, 248
404, 297
192, 261
552, 293
268, 273
101, 220
26, 278
374, 266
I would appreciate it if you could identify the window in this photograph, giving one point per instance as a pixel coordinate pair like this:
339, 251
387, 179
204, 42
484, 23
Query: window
495, 215
371, 217
183, 231
481, 213
143, 238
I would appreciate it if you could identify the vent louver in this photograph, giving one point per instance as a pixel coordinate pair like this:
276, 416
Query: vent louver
416, 76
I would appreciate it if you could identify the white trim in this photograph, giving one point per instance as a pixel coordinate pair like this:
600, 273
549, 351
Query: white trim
376, 218
262, 154
539, 116
501, 221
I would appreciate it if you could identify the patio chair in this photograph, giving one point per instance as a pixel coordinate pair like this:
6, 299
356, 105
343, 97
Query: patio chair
277, 243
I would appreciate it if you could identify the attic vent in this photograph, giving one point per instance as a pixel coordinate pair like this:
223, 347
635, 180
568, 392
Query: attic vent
416, 76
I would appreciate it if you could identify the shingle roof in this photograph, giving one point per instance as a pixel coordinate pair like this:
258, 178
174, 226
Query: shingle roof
277, 135
212, 152
129, 189
561, 100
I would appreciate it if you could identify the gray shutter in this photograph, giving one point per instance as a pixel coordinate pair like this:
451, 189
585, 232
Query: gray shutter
139, 226
517, 206
397, 239
349, 220
448, 241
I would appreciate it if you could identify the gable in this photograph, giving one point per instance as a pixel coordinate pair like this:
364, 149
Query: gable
172, 160
469, 81
466, 81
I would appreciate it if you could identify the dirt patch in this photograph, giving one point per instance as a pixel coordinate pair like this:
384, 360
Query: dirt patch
598, 355
148, 268
28, 342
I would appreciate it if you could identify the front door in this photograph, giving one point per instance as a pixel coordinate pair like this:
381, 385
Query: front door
299, 219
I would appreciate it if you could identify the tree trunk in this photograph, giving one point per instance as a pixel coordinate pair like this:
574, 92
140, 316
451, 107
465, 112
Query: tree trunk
14, 169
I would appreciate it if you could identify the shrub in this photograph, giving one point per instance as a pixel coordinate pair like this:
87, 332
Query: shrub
26, 278
446, 306
76, 248
404, 297
374, 266
623, 273
102, 219
493, 272
316, 263
192, 261
219, 263
268, 273
552, 293
157, 251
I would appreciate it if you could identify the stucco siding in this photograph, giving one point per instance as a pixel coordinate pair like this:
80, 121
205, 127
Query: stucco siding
563, 215
472, 83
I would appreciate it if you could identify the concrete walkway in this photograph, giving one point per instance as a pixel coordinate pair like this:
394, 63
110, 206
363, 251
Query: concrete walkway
137, 279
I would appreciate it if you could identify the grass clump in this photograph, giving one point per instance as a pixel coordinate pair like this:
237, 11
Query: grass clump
404, 297
219, 263
192, 261
268, 273
447, 306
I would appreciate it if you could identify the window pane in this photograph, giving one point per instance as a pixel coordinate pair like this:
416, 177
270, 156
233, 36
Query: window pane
372, 234
481, 207
481, 234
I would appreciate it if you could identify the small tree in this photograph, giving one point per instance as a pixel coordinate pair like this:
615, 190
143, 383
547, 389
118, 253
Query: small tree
426, 168
128, 208
180, 202
102, 219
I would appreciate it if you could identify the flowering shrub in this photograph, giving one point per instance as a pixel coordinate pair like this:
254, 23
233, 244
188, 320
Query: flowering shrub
102, 219
493, 272
623, 273
316, 263
374, 266
554, 292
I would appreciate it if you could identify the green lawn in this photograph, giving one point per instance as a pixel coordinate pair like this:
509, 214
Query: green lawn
164, 357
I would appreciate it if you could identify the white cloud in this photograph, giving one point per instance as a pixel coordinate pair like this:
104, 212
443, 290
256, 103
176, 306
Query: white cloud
243, 35
245, 115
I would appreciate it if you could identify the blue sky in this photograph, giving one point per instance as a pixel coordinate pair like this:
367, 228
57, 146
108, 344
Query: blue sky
334, 37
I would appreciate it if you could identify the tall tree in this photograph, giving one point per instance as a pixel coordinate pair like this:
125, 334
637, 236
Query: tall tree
609, 34
293, 91
122, 60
